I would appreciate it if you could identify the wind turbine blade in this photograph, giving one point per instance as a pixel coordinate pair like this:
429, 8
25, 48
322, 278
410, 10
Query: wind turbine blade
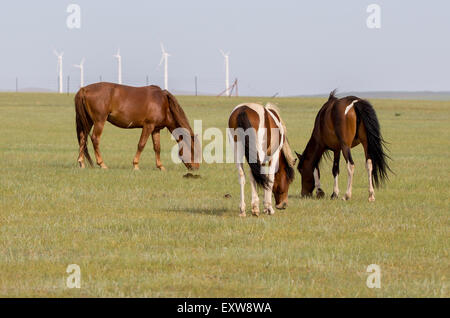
162, 48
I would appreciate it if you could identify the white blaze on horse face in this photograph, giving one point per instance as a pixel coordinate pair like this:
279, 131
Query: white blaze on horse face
349, 107
316, 178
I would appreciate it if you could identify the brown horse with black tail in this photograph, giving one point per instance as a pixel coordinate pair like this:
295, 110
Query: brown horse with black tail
149, 108
340, 125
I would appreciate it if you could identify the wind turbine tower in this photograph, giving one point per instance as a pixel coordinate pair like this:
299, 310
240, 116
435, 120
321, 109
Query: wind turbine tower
81, 67
227, 72
165, 58
59, 70
119, 66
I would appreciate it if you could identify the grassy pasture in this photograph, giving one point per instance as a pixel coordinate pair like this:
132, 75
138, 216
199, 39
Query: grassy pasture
156, 234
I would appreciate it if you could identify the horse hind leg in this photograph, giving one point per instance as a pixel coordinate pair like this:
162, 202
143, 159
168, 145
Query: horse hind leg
146, 130
157, 149
268, 209
96, 134
82, 142
369, 168
350, 170
335, 171
241, 175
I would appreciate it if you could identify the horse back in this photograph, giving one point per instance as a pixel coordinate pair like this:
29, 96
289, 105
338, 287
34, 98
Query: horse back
126, 106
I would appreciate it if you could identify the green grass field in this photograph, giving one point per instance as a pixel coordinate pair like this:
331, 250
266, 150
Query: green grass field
155, 234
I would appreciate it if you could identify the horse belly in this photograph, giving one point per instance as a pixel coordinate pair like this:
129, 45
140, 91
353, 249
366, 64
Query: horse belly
123, 121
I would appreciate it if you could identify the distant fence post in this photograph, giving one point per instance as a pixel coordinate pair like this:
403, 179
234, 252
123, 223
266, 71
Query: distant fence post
195, 79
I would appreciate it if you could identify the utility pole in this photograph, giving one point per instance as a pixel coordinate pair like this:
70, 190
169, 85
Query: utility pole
68, 85
195, 85
146, 81
17, 84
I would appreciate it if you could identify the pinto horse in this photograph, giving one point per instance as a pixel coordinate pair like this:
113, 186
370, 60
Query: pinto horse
149, 108
251, 126
340, 125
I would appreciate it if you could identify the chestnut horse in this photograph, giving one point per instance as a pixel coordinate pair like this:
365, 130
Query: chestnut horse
340, 125
149, 108
260, 132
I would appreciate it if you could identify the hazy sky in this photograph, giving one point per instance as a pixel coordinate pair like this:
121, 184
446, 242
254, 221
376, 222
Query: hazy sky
290, 47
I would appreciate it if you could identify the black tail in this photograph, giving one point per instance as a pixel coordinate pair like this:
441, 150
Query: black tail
83, 121
376, 144
255, 167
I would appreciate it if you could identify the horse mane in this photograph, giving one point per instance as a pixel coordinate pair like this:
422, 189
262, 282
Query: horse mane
332, 95
178, 112
182, 121
286, 149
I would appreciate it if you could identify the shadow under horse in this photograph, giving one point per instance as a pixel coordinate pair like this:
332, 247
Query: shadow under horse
149, 108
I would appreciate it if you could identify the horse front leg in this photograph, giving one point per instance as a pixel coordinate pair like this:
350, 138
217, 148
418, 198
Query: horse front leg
268, 209
241, 175
96, 134
157, 149
319, 192
255, 198
146, 130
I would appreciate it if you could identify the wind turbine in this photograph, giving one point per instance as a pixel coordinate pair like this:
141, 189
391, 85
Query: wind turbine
81, 67
165, 58
119, 66
227, 72
59, 70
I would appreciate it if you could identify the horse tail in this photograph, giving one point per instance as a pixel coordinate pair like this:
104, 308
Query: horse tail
177, 112
82, 120
376, 145
255, 167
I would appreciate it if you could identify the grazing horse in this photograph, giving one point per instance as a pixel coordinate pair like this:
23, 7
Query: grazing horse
340, 125
149, 108
260, 132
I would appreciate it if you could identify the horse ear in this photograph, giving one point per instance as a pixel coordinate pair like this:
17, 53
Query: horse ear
299, 156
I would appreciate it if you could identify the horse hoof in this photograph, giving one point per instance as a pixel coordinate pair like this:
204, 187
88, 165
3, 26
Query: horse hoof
334, 196
281, 206
104, 167
82, 166
242, 215
269, 211
372, 199
136, 168
255, 210
346, 197
320, 194
162, 168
